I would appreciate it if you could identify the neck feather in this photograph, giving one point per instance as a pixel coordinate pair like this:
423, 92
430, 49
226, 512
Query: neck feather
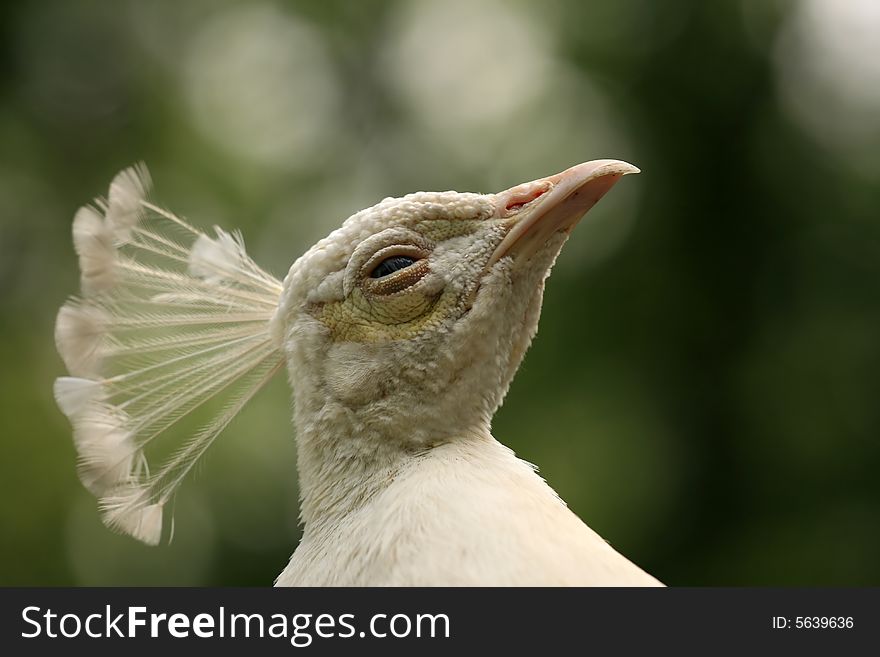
342, 464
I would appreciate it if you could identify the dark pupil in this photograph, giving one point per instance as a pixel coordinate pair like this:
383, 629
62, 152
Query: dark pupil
391, 265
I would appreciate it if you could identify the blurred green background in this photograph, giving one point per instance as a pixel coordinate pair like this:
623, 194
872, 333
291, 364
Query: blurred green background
704, 387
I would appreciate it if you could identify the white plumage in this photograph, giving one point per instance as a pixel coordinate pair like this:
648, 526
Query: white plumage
401, 332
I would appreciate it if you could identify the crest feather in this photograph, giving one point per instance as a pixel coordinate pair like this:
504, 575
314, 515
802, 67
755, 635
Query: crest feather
169, 318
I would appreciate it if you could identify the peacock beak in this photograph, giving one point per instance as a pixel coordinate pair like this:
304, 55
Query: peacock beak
542, 207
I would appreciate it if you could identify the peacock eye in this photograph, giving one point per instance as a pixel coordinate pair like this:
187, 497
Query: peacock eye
390, 265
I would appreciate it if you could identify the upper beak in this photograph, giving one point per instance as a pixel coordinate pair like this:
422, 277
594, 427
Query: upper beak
542, 207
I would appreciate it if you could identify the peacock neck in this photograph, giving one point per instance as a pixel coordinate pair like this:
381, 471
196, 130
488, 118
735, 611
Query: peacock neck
342, 464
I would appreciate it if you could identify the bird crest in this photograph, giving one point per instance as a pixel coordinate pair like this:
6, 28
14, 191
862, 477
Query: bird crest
168, 318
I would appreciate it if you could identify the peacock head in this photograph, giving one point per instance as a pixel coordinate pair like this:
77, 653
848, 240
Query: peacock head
412, 318
408, 324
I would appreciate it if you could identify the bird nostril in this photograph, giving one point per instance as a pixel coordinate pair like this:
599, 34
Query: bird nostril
518, 201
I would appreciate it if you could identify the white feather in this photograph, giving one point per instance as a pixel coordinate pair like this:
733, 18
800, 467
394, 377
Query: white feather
124, 512
79, 334
93, 243
74, 394
103, 441
220, 259
171, 319
124, 209
466, 513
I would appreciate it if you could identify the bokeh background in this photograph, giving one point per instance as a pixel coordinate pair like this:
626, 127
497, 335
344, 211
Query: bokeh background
704, 386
